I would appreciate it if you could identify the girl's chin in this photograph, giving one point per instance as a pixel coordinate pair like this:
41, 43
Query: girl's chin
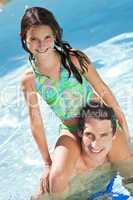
40, 55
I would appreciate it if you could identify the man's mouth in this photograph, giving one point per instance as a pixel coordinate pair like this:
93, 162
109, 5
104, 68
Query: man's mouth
91, 149
95, 151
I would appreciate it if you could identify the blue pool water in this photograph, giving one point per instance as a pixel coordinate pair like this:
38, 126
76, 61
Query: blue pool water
103, 29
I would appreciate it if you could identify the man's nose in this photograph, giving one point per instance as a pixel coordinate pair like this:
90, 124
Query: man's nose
95, 143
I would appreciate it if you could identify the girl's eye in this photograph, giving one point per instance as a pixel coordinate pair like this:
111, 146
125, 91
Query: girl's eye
33, 39
48, 37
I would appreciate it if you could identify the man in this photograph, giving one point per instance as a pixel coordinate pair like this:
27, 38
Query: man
96, 136
97, 132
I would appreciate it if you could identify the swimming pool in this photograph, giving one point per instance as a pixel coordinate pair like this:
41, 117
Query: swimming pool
104, 30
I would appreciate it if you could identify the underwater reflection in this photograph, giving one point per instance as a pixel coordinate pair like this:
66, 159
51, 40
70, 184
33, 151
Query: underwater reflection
106, 182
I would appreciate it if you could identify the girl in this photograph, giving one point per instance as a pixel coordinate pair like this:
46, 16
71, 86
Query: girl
64, 77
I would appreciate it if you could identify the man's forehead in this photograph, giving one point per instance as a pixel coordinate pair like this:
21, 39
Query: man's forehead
98, 122
100, 126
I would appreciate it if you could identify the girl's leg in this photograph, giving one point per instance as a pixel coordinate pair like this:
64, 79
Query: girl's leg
120, 147
66, 153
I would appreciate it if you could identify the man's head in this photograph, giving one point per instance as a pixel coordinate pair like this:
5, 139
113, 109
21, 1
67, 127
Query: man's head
97, 128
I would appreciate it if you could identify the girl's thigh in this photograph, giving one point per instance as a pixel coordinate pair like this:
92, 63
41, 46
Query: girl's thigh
66, 153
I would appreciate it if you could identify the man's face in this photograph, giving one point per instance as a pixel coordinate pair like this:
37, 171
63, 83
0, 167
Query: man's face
97, 138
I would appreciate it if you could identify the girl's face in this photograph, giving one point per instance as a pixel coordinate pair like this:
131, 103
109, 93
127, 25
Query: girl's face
40, 40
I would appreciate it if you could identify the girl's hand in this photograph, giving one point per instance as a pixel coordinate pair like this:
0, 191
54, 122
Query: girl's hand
44, 181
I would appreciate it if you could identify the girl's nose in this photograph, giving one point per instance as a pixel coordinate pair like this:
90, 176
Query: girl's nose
41, 44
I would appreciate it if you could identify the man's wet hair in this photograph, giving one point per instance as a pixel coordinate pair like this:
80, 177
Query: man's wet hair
97, 110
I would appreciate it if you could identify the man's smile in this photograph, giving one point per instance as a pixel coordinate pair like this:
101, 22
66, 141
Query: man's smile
93, 150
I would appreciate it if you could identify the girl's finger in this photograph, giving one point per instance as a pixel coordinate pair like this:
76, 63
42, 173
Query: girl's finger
45, 185
41, 185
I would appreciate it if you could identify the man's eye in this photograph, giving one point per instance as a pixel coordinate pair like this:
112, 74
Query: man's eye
104, 135
88, 134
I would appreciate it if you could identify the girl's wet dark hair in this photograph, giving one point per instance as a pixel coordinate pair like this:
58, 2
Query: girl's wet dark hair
41, 16
97, 110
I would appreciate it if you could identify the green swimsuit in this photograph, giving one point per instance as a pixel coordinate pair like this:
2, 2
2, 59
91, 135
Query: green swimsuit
66, 97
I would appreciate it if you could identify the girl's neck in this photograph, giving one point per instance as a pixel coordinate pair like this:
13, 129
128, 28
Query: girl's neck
46, 63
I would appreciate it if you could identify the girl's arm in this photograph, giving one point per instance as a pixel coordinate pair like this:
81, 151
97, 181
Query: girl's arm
105, 94
36, 123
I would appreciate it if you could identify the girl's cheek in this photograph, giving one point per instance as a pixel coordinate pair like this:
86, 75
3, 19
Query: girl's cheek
32, 47
49, 42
